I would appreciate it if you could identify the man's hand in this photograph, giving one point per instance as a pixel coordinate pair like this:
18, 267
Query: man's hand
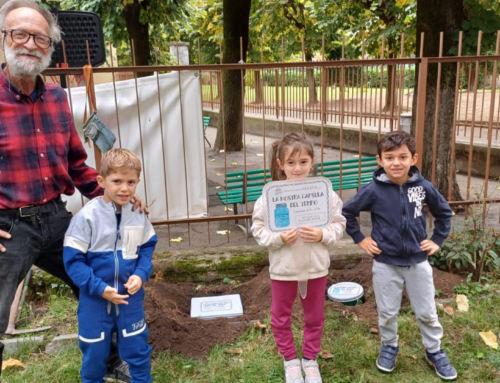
370, 246
112, 295
311, 234
133, 284
4, 234
290, 237
139, 202
429, 246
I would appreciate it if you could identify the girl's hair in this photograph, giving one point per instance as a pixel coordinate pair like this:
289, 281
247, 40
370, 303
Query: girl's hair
292, 143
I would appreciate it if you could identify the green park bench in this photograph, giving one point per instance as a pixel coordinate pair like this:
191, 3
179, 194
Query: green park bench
206, 123
247, 186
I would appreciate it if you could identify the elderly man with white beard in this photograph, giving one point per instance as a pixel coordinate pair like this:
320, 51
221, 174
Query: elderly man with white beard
41, 156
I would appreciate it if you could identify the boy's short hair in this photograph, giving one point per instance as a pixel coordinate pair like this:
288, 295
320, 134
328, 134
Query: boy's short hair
394, 140
119, 160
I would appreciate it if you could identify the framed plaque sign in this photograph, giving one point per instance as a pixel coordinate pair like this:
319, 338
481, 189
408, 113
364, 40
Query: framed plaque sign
296, 203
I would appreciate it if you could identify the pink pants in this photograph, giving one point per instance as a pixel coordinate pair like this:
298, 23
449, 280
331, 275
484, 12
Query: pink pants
284, 293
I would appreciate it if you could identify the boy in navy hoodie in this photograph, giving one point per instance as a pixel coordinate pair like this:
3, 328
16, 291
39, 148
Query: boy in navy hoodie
400, 247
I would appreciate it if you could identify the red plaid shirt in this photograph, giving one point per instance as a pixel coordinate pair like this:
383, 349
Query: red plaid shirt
41, 154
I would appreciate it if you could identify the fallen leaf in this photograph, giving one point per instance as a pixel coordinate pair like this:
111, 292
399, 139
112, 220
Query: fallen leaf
235, 351
326, 354
234, 163
12, 363
178, 239
223, 232
448, 310
199, 287
220, 174
218, 187
259, 325
414, 356
462, 303
159, 276
213, 160
355, 318
374, 330
228, 209
221, 151
490, 339
260, 155
440, 305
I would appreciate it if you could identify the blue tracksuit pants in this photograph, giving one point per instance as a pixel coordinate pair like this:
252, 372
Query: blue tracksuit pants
97, 320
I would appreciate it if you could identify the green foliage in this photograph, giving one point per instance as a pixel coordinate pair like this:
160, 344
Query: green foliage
475, 248
480, 15
475, 289
371, 77
168, 20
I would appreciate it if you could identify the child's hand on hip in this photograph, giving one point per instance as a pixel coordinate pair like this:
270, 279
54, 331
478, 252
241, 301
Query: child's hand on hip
429, 246
133, 284
311, 234
290, 237
112, 295
370, 246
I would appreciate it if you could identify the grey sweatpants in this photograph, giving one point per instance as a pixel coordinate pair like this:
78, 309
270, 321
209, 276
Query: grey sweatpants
388, 283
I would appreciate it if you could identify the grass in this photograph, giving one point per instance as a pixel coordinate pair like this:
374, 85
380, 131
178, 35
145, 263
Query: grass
295, 93
355, 350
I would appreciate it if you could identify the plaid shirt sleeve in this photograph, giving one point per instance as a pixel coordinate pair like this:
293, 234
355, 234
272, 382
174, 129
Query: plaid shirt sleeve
41, 154
83, 176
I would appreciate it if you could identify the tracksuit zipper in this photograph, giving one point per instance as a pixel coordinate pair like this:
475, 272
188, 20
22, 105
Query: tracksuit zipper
404, 219
117, 263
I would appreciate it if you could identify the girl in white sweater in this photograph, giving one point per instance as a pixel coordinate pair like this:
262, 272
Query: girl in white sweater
293, 158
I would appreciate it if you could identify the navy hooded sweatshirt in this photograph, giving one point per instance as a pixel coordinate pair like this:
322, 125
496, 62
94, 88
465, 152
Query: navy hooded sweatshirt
398, 220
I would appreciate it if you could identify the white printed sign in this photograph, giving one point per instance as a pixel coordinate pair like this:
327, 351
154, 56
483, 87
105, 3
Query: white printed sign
216, 306
296, 203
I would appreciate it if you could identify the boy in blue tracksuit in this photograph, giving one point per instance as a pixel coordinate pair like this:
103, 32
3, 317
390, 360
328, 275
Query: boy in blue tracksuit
400, 247
107, 253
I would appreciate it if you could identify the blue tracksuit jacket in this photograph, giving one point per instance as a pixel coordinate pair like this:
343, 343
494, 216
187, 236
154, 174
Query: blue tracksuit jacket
101, 250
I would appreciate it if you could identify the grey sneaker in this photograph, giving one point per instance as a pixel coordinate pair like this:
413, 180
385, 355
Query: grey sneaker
293, 373
387, 358
311, 369
442, 365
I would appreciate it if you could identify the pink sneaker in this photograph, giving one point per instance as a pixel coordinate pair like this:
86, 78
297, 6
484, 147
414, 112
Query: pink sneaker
293, 373
311, 369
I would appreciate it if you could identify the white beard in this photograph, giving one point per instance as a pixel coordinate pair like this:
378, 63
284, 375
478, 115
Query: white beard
20, 66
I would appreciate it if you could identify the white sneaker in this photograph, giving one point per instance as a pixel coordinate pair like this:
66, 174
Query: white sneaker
311, 369
293, 373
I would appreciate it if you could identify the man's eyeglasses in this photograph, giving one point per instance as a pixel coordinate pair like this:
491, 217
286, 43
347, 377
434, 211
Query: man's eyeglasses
22, 37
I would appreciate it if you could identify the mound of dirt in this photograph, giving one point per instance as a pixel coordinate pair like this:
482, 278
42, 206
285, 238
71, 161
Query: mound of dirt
171, 327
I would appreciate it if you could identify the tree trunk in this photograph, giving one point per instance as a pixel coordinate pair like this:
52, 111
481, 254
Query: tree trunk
138, 32
434, 16
389, 90
390, 86
258, 87
236, 20
311, 84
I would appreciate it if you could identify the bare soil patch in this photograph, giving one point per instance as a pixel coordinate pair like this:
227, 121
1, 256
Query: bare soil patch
171, 327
